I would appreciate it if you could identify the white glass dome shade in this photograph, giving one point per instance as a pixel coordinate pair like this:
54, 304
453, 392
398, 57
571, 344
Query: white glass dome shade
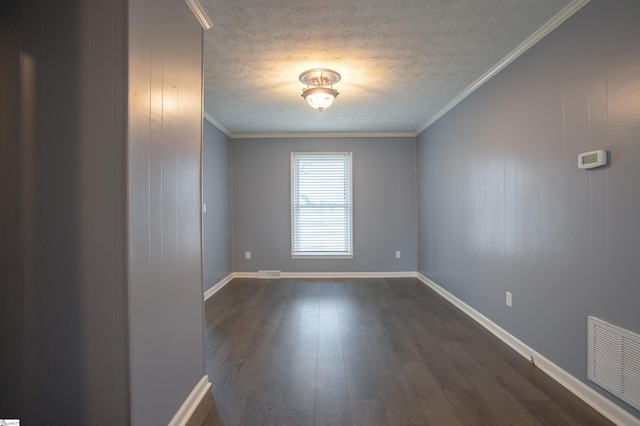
319, 92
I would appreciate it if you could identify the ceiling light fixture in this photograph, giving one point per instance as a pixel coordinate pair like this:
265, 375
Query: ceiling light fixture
319, 92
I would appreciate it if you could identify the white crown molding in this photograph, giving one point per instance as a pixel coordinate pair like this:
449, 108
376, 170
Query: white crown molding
321, 135
558, 19
227, 132
216, 123
601, 404
189, 406
199, 13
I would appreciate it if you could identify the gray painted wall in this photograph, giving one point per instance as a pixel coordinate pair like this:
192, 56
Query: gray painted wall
63, 319
502, 204
216, 193
83, 342
165, 259
384, 212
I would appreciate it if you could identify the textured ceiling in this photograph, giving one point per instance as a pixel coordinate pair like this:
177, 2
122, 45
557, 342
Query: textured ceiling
401, 61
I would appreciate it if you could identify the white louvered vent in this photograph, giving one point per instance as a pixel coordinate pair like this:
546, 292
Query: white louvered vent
269, 275
614, 360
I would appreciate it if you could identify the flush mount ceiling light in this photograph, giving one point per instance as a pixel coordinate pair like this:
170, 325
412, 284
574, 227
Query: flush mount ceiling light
319, 92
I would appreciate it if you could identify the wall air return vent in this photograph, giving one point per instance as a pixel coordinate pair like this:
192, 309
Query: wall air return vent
269, 275
614, 360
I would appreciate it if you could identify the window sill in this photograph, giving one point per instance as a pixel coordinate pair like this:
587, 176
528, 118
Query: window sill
321, 256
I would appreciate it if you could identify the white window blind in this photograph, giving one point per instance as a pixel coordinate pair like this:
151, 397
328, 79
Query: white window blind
321, 204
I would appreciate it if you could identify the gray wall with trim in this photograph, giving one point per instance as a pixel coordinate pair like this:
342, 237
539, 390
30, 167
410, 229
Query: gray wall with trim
216, 193
63, 311
503, 206
101, 316
166, 325
384, 212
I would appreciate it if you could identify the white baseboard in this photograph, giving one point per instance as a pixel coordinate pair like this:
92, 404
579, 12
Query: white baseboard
191, 403
245, 275
399, 274
218, 286
603, 405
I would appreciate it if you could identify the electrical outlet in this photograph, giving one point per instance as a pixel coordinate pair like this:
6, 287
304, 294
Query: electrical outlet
397, 254
509, 300
204, 207
247, 255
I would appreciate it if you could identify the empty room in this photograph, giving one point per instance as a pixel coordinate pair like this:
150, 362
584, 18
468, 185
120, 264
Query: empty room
320, 213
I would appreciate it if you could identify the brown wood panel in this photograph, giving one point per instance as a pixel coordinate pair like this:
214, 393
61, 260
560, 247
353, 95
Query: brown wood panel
354, 346
362, 352
401, 398
549, 413
296, 418
368, 412
430, 347
471, 407
362, 378
332, 401
300, 389
287, 325
329, 342
265, 385
492, 391
432, 400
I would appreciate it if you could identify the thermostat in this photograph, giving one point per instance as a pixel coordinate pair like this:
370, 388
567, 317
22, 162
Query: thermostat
591, 159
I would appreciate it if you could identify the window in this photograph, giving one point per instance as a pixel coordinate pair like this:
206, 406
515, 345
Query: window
321, 205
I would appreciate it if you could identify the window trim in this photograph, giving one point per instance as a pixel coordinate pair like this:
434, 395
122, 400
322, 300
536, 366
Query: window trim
322, 255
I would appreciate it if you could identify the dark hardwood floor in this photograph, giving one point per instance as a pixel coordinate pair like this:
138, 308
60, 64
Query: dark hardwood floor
368, 352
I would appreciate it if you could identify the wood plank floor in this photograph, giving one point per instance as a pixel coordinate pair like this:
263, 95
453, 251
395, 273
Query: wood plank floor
367, 352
